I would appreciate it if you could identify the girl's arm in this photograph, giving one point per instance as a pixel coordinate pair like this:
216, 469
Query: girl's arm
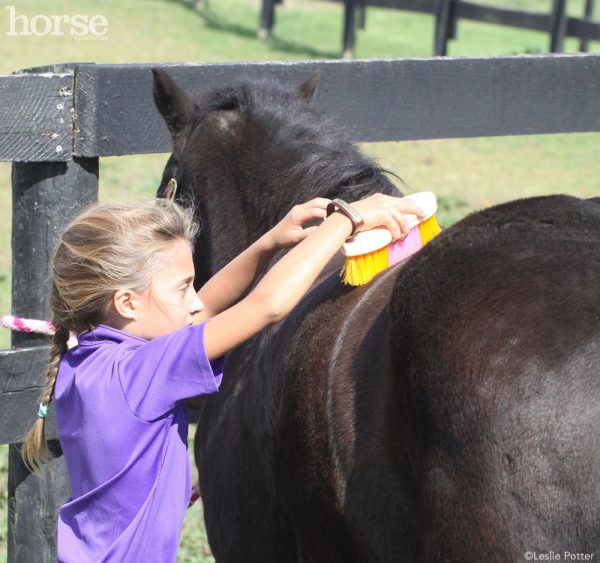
291, 277
228, 285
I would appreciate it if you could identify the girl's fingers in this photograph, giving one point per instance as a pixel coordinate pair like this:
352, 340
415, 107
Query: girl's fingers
302, 213
319, 202
404, 206
401, 221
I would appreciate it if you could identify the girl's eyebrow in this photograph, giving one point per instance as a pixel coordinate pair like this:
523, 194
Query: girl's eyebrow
188, 279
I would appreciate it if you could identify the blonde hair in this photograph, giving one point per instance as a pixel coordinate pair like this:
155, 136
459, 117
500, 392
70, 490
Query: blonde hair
110, 246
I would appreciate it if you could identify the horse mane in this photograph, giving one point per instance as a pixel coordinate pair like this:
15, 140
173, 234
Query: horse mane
321, 153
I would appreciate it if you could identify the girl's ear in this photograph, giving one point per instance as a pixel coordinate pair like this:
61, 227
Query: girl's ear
125, 303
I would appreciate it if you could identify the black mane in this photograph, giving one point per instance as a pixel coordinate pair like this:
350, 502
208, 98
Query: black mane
319, 151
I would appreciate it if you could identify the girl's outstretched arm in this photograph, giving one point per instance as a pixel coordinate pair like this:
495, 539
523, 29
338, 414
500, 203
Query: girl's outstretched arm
230, 283
291, 277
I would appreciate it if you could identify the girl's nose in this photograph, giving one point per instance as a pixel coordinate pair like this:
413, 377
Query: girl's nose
196, 306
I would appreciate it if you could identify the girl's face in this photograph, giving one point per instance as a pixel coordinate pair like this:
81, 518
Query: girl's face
170, 302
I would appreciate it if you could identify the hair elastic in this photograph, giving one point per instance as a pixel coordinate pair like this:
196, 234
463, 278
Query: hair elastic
43, 410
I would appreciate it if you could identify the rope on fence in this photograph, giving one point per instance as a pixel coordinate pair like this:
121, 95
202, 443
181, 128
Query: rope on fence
27, 325
35, 326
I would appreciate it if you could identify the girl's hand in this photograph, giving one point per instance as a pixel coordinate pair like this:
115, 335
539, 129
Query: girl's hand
380, 210
290, 231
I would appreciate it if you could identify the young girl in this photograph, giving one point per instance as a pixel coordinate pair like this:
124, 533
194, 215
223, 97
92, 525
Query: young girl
122, 281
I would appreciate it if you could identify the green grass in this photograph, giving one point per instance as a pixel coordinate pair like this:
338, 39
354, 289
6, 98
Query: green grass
466, 174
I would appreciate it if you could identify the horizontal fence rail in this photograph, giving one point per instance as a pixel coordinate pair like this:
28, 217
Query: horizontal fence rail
377, 100
35, 117
383, 100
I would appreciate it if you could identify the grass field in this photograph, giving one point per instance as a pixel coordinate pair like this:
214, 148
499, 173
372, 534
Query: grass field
466, 174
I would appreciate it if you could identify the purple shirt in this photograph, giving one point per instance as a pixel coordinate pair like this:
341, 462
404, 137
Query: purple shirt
123, 428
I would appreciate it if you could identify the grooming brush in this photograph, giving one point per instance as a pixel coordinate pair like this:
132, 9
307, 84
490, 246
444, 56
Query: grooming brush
370, 252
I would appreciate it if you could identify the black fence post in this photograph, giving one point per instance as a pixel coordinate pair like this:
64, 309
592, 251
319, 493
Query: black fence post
588, 15
445, 27
267, 18
45, 197
558, 26
362, 14
349, 32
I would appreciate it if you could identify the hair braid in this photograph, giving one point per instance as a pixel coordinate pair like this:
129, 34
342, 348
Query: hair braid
35, 450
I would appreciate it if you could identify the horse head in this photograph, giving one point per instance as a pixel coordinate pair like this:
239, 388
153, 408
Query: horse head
244, 154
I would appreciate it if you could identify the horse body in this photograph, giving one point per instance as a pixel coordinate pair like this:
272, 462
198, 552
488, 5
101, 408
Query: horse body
497, 350
449, 410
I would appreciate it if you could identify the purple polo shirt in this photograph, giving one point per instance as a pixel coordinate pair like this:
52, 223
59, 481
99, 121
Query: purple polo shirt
123, 429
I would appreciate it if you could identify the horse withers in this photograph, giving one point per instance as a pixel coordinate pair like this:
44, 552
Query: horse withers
449, 410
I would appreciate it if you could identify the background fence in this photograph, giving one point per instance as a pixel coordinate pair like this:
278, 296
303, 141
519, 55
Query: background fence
56, 122
447, 13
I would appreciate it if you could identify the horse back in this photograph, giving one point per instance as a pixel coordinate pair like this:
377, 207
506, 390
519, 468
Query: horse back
496, 347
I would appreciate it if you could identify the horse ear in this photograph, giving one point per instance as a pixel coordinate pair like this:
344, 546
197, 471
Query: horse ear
308, 88
173, 103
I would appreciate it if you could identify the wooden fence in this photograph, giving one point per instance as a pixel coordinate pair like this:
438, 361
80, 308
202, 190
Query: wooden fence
55, 124
447, 13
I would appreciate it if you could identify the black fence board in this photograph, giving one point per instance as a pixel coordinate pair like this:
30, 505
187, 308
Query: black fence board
503, 16
378, 100
22, 368
23, 374
35, 117
586, 30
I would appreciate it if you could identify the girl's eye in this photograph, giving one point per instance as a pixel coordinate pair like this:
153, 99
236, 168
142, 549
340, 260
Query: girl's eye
184, 288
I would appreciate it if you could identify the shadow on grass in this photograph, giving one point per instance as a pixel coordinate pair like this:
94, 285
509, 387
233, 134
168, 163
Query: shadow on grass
214, 21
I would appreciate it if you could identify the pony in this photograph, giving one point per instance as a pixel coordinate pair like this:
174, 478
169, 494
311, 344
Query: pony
449, 410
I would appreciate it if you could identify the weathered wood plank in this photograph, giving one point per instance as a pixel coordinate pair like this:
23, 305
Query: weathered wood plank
587, 30
22, 378
378, 100
22, 368
35, 117
498, 15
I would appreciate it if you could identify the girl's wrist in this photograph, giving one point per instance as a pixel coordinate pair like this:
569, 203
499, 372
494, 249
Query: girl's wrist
268, 242
342, 221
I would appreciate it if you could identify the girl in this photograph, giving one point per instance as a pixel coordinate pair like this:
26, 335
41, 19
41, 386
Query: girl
122, 281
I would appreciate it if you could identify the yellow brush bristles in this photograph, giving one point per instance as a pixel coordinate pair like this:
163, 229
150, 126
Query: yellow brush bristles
361, 269
429, 229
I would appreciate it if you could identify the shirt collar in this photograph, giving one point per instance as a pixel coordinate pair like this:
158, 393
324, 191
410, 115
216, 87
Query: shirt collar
103, 333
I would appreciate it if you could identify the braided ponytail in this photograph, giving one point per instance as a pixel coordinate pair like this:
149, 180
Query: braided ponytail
35, 450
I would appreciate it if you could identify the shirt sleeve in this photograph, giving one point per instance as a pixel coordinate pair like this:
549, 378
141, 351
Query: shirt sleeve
167, 369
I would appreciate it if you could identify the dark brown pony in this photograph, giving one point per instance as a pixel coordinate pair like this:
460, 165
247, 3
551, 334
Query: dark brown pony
447, 411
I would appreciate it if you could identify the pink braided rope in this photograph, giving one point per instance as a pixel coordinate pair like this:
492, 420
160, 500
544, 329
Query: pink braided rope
34, 325
27, 325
